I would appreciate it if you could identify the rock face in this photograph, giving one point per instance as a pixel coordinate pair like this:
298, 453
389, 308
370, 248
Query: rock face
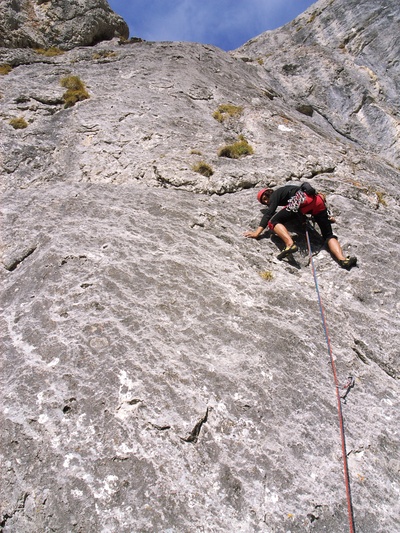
58, 23
159, 372
345, 68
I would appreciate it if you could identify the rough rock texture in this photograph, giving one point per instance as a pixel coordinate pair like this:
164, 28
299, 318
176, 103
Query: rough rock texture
151, 378
58, 23
345, 68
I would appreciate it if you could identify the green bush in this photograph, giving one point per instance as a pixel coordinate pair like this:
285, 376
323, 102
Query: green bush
18, 123
76, 90
203, 168
236, 150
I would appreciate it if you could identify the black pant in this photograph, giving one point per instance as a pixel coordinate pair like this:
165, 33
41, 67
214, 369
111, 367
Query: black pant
321, 218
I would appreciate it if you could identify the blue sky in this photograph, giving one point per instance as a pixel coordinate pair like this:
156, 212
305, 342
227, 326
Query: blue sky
224, 23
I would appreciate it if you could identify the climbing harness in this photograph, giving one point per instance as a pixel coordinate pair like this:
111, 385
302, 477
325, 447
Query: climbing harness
337, 387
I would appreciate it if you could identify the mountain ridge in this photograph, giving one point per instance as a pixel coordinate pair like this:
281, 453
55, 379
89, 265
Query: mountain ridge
350, 45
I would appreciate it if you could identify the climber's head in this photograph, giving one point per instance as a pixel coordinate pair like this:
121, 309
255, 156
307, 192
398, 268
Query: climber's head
264, 195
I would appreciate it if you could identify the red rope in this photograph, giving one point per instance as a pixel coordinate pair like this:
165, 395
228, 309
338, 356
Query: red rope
339, 404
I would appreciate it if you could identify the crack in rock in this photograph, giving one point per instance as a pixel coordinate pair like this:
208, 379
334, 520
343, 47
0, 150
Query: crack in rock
366, 355
20, 506
14, 263
194, 434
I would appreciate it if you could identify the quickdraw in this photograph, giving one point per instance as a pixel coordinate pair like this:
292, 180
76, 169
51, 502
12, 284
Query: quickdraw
348, 386
296, 201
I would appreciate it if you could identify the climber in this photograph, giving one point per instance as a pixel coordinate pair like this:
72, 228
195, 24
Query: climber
306, 200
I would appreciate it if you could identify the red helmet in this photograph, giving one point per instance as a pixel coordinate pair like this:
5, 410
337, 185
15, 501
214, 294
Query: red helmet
261, 193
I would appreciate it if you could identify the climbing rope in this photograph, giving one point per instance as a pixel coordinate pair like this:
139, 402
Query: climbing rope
339, 404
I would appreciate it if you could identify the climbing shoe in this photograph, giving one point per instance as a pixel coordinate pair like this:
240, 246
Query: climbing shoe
288, 250
348, 263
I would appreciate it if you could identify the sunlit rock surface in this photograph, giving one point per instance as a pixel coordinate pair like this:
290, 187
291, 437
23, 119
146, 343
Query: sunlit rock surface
58, 23
159, 372
339, 62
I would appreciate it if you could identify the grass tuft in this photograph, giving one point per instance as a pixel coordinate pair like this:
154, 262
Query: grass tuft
203, 168
381, 198
5, 69
225, 111
267, 275
103, 54
49, 52
238, 149
76, 90
18, 123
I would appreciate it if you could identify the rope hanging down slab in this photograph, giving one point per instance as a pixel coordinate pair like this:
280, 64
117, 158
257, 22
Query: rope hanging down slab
339, 404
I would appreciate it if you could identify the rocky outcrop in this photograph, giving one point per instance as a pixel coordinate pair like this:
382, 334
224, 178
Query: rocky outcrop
339, 62
59, 23
160, 372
